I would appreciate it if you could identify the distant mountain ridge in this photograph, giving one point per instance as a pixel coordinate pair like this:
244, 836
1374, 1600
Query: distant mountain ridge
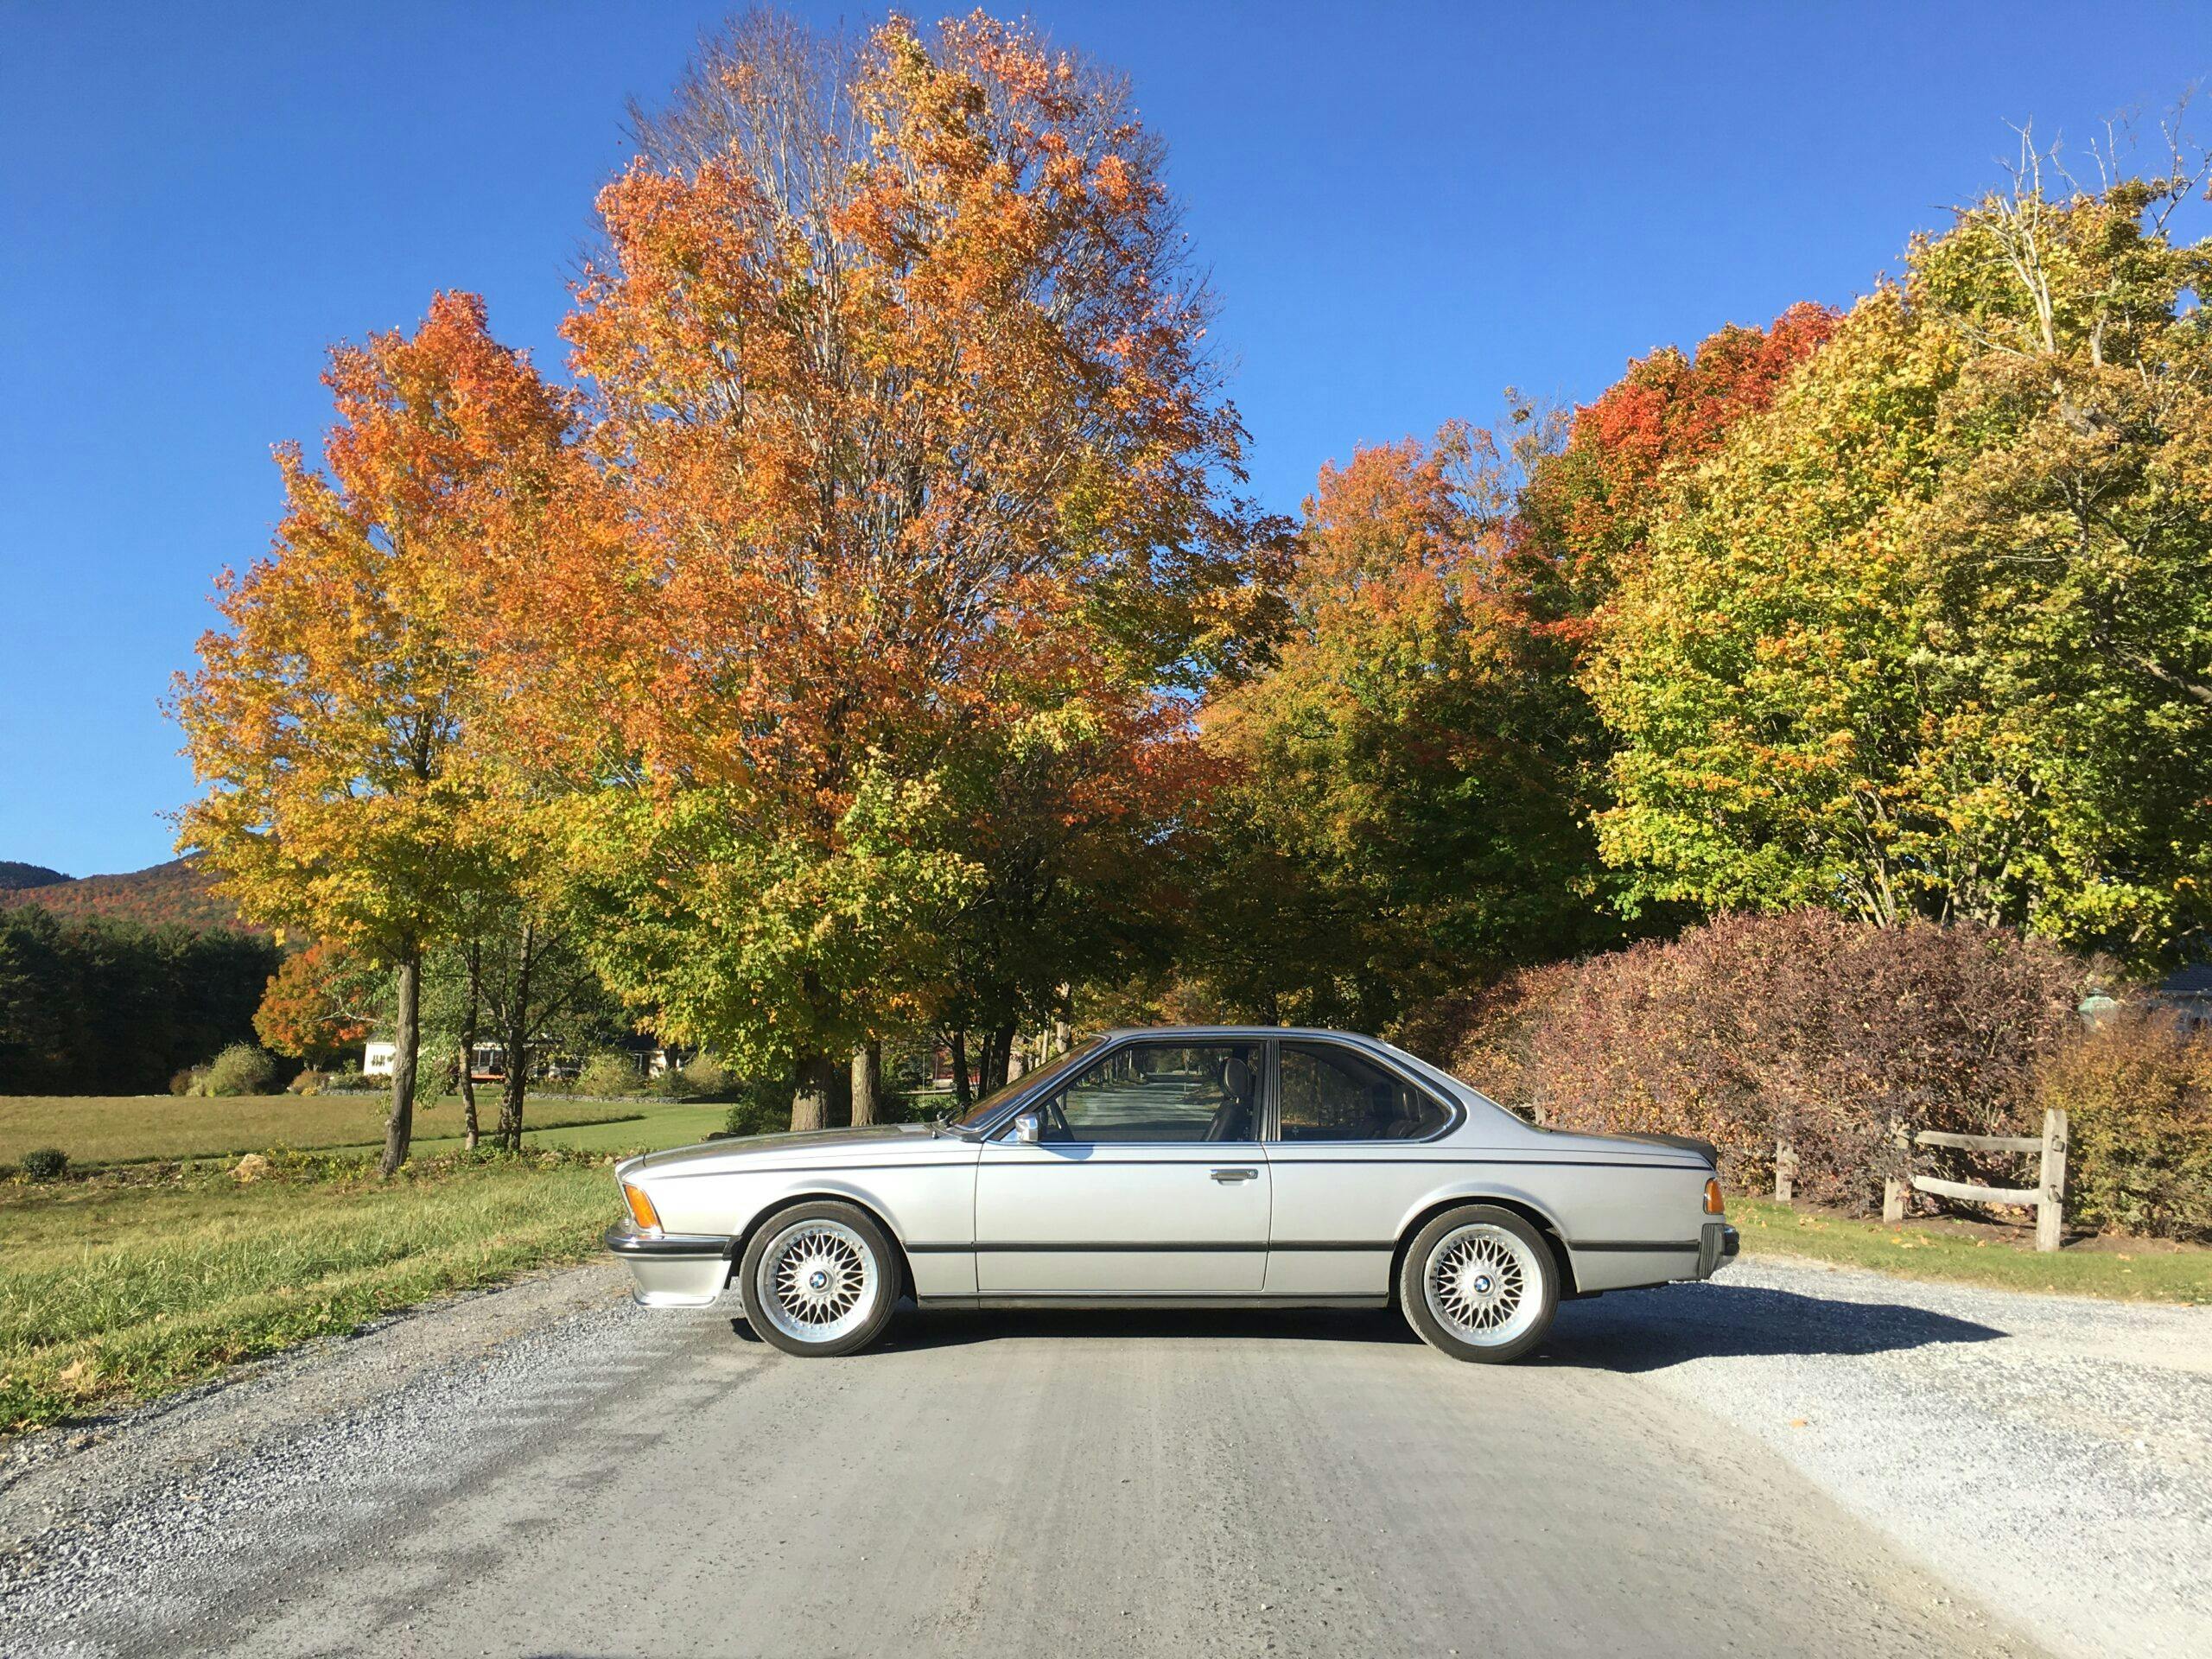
182, 890
21, 878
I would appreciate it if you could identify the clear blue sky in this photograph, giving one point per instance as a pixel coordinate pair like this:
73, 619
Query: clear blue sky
1405, 206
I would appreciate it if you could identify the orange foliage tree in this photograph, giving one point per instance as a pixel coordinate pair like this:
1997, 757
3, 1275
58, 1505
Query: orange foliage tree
1403, 814
924, 475
1587, 509
313, 1009
341, 719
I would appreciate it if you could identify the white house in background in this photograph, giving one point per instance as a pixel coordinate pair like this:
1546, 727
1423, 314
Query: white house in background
487, 1062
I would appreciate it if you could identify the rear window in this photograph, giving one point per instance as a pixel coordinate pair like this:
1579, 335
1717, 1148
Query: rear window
1331, 1093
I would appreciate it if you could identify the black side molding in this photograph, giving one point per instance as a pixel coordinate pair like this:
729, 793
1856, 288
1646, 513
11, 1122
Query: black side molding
1645, 1246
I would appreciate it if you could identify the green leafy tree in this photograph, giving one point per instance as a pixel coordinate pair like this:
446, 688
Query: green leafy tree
1931, 635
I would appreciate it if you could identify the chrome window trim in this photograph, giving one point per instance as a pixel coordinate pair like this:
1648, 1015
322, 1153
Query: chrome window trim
1271, 1039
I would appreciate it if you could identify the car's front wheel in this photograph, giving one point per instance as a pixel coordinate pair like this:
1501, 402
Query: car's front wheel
1480, 1283
820, 1280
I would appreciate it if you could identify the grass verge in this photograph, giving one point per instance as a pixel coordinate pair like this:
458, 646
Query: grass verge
1964, 1253
131, 1284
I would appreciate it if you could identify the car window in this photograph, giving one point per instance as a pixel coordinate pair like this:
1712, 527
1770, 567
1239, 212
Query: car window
1331, 1093
1160, 1092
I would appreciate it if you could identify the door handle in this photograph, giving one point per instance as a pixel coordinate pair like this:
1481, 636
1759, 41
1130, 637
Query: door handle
1228, 1176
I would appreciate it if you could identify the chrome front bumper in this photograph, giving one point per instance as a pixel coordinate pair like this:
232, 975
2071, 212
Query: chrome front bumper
673, 1269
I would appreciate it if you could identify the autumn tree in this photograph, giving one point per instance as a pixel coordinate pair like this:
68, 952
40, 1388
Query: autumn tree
906, 407
1401, 812
337, 717
1588, 507
319, 1006
1931, 636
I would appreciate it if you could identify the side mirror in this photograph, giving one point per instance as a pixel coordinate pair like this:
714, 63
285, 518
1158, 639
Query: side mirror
1027, 1130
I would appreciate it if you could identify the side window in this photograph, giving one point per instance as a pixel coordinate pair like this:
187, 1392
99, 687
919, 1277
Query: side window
1161, 1092
1338, 1094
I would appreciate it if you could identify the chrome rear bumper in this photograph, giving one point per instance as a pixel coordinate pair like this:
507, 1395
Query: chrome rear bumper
1717, 1245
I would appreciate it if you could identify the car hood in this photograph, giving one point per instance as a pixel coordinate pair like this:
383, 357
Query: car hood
771, 1148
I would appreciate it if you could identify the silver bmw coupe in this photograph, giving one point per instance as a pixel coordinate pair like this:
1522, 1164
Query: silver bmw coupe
1194, 1166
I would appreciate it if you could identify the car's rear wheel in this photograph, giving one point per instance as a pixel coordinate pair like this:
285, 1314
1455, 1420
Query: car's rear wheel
820, 1280
1480, 1283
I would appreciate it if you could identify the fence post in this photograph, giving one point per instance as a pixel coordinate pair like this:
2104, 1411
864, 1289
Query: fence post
1894, 1190
2050, 1204
1785, 1171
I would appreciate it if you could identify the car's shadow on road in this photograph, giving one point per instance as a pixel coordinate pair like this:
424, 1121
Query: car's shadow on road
1625, 1330
1648, 1329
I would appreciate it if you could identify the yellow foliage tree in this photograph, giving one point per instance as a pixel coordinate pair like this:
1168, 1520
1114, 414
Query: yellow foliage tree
342, 718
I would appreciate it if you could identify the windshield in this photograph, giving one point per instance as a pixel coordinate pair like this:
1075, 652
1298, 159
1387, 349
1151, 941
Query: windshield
982, 1108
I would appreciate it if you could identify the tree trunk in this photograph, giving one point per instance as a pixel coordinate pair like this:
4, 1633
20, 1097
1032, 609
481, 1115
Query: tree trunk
998, 1056
868, 1082
810, 1098
1017, 1061
406, 1051
469, 1133
960, 1092
517, 1065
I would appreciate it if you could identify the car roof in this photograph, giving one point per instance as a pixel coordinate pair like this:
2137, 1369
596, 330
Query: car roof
1253, 1032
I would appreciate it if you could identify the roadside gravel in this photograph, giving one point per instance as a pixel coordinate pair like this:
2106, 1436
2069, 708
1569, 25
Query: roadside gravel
1795, 1459
2053, 1454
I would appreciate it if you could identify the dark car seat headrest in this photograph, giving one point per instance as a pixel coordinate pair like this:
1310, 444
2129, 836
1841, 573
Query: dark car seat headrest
1236, 1078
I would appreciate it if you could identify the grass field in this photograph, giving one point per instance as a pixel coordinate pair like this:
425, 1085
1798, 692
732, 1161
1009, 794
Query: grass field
2145, 1270
128, 1285
146, 1278
110, 1129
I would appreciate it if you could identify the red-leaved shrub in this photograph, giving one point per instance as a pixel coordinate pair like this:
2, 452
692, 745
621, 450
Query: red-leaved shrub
1805, 1028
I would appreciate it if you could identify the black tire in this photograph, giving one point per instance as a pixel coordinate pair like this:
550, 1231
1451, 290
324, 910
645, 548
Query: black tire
847, 1243
1480, 1237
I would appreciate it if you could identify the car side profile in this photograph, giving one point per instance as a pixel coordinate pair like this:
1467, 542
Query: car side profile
1191, 1166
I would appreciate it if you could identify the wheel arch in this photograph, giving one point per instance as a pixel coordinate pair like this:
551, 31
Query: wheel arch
789, 1201
1547, 1229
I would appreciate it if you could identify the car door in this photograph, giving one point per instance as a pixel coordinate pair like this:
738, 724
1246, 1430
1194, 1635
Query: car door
1345, 1161
1147, 1180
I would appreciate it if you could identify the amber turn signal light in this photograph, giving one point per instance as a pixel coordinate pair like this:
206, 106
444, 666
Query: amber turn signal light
642, 1210
1713, 1206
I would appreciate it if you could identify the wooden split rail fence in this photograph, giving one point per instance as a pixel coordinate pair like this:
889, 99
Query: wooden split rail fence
2047, 1197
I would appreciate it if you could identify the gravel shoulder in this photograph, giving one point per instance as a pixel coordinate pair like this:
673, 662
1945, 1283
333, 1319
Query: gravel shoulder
1791, 1459
2052, 1453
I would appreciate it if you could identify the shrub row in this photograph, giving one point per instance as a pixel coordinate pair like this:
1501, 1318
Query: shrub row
1810, 1029
2138, 1095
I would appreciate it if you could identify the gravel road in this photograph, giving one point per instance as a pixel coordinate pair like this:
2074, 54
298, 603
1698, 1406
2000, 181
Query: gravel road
1787, 1460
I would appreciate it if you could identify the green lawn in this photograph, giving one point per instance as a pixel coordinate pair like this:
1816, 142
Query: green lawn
142, 1278
123, 1128
130, 1284
2148, 1270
